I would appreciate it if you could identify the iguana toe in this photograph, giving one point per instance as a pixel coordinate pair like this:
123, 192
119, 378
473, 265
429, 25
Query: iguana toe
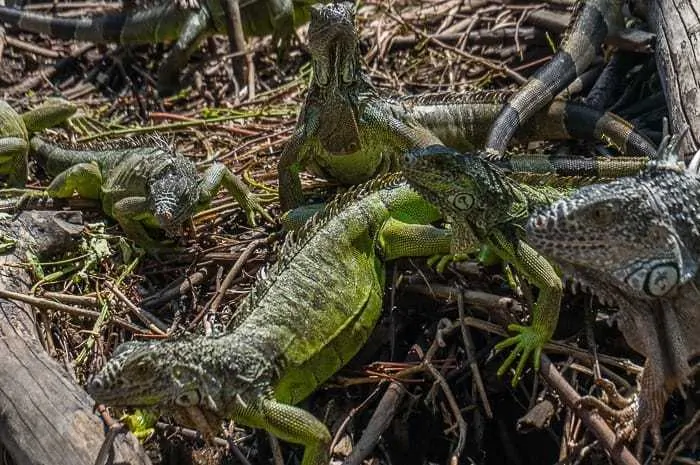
529, 342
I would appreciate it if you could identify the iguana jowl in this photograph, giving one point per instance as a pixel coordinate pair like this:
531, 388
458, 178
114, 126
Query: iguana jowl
140, 183
635, 242
15, 130
302, 322
349, 132
168, 20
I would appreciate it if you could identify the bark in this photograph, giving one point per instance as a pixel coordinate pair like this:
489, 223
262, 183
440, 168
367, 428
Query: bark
45, 417
677, 27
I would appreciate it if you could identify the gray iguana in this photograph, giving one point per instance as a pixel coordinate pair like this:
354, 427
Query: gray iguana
15, 130
302, 322
169, 20
635, 242
592, 21
348, 131
142, 182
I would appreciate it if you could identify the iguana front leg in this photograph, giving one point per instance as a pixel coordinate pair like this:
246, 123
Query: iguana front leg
193, 31
545, 312
289, 423
218, 175
131, 213
288, 168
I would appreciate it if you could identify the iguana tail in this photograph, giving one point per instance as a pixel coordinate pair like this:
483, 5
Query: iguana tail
568, 120
157, 24
55, 159
592, 21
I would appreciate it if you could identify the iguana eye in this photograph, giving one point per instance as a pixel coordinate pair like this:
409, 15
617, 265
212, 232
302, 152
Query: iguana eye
661, 280
601, 214
462, 201
188, 399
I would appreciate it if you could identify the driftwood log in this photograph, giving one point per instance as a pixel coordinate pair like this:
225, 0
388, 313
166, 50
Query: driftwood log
677, 27
45, 417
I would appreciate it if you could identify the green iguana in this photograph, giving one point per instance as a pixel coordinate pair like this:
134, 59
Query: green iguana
592, 21
186, 24
140, 182
348, 132
301, 323
484, 206
635, 242
15, 130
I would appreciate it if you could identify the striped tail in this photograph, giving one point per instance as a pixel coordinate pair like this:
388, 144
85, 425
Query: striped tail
578, 121
156, 24
593, 21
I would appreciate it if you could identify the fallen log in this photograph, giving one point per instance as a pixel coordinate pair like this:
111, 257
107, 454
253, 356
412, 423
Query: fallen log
45, 417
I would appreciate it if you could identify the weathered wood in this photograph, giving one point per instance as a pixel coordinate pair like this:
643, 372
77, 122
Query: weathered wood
45, 417
677, 27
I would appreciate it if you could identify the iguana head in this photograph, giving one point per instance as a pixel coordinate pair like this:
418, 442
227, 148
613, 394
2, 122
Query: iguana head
639, 232
174, 195
461, 185
335, 58
163, 374
619, 230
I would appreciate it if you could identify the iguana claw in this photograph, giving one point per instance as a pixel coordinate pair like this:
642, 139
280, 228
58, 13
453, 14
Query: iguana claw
529, 341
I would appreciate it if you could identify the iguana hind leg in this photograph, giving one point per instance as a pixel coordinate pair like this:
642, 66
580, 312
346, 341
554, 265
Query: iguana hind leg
219, 175
192, 33
545, 312
83, 178
399, 239
13, 160
52, 112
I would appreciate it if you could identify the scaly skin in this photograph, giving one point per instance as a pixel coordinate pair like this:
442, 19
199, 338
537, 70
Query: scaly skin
142, 184
349, 132
635, 242
302, 322
167, 21
15, 130
486, 207
592, 21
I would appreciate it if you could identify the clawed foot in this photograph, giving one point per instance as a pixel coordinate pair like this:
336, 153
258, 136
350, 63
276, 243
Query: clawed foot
619, 411
255, 207
529, 341
626, 415
141, 423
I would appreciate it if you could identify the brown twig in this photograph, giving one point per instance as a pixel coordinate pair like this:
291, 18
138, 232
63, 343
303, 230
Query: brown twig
68, 309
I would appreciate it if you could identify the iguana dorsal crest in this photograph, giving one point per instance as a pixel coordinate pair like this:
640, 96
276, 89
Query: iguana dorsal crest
295, 241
